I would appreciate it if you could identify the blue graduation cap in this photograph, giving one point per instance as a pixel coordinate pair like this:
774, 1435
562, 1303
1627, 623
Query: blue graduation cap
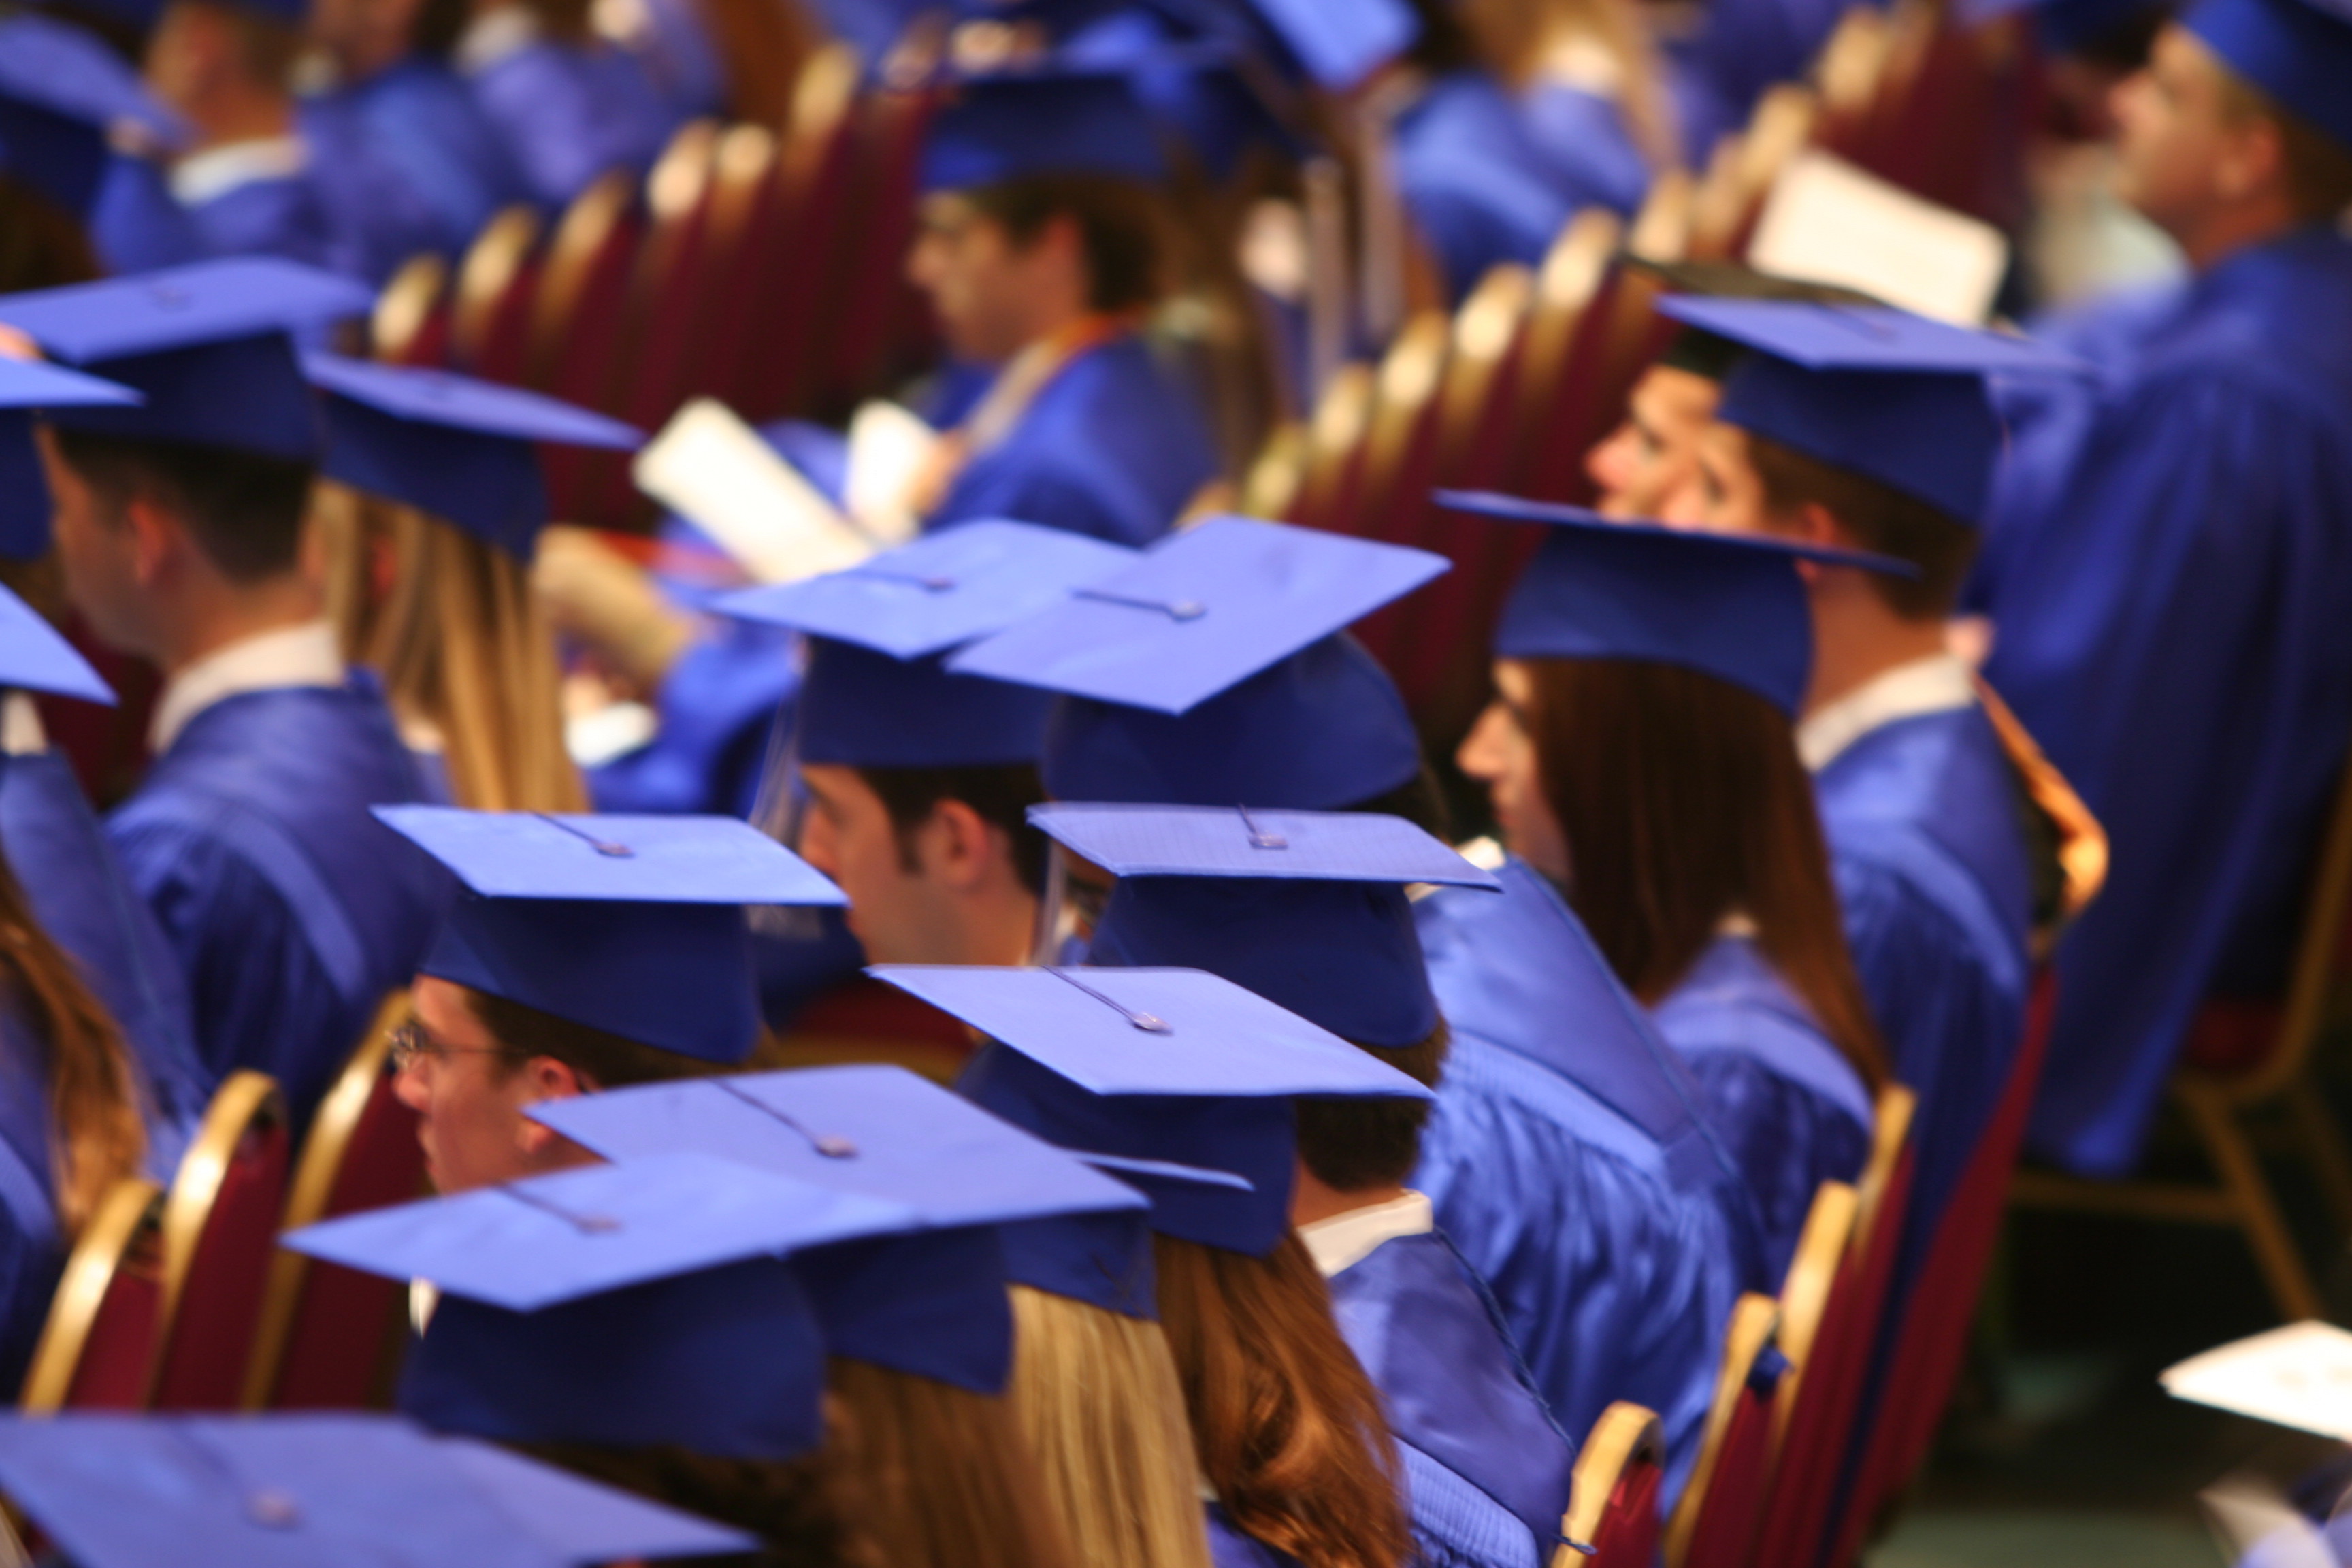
206, 344
876, 692
34, 656
633, 925
1338, 46
449, 445
1163, 1065
1727, 605
1202, 89
61, 90
1019, 123
26, 385
1306, 909
319, 1489
2299, 52
1880, 392
932, 1304
1213, 670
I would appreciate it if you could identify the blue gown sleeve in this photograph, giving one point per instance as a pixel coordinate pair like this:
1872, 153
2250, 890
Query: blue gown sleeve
1788, 1140
1049, 498
568, 114
136, 224
717, 705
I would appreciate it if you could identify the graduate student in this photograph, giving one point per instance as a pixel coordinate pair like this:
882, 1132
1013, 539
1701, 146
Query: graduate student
1566, 1138
1182, 1067
567, 105
244, 179
1926, 813
401, 155
2202, 700
428, 529
179, 523
1640, 754
1309, 911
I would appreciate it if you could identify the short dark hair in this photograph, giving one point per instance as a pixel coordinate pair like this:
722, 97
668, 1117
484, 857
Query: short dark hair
1001, 793
244, 509
1118, 224
1354, 1144
606, 1060
793, 1506
1878, 518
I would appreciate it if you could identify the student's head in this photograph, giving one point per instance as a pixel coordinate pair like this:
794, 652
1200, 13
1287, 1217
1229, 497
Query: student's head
1371, 1145
364, 36
211, 59
1655, 449
1003, 264
475, 1062
152, 530
2237, 128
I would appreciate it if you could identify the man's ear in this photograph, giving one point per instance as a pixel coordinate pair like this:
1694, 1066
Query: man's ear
959, 846
545, 1078
2252, 158
158, 540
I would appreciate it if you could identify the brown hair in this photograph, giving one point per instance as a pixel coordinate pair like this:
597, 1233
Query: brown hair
604, 1060
1096, 1394
42, 245
462, 643
267, 48
1877, 517
97, 1135
1001, 795
1117, 224
1286, 1425
793, 1506
1512, 36
2318, 167
944, 1478
1682, 800
1352, 1145
244, 509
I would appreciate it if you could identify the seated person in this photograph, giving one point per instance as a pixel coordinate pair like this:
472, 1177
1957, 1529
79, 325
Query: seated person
566, 104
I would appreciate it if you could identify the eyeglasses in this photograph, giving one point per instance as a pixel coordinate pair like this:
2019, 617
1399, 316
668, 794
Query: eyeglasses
411, 1044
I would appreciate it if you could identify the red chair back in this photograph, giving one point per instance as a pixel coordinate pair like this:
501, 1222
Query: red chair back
1613, 1508
1714, 1525
220, 1226
97, 1351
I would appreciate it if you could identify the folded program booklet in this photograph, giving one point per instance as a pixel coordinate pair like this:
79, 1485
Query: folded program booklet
2300, 1375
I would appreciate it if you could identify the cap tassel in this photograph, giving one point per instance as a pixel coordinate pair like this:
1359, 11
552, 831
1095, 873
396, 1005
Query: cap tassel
1174, 609
272, 1507
585, 1223
1150, 1023
1259, 838
602, 846
934, 582
829, 1145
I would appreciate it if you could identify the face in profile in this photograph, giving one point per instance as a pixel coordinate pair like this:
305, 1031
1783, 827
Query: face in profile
468, 1096
98, 552
1720, 490
1500, 752
1649, 456
2174, 133
848, 835
978, 280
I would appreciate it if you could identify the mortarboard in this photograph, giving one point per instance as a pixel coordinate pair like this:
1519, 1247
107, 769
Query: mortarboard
1871, 389
876, 692
1212, 671
61, 90
1020, 124
206, 344
1338, 46
449, 445
1727, 605
34, 656
1702, 353
626, 1304
24, 492
1306, 909
2299, 52
932, 1304
319, 1489
633, 925
1161, 1065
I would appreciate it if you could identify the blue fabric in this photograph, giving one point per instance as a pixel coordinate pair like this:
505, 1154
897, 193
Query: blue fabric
406, 165
32, 1253
61, 859
1455, 1525
1229, 1547
682, 58
930, 1306
717, 705
1741, 48
2170, 555
1792, 1111
794, 971
1611, 1229
567, 112
292, 911
1115, 447
1926, 843
2299, 52
1455, 1390
284, 216
136, 225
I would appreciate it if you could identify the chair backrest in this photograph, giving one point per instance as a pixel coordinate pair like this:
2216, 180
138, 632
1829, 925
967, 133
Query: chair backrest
1714, 1524
1742, 173
772, 371
411, 322
97, 1349
1613, 1506
328, 1334
1335, 441
2082, 841
220, 1226
490, 319
871, 317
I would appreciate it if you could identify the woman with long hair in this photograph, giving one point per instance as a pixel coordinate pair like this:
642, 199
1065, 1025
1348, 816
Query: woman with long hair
1641, 753
425, 535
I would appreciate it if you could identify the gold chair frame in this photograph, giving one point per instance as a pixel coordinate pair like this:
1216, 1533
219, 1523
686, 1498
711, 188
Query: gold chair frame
130, 1215
1755, 1324
1626, 1432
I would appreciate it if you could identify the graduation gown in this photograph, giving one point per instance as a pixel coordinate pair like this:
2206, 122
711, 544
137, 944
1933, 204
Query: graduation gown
406, 164
31, 1251
567, 112
136, 225
1741, 48
1922, 815
2170, 557
1570, 1169
682, 58
293, 912
1489, 1475
75, 884
276, 215
1792, 1111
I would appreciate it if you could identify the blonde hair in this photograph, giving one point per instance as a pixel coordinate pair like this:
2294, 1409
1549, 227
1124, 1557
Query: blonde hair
1096, 1396
463, 647
941, 1475
1514, 36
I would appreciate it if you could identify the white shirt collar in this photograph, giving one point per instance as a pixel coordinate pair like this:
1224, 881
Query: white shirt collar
1938, 683
491, 38
21, 733
1344, 1240
305, 655
205, 176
